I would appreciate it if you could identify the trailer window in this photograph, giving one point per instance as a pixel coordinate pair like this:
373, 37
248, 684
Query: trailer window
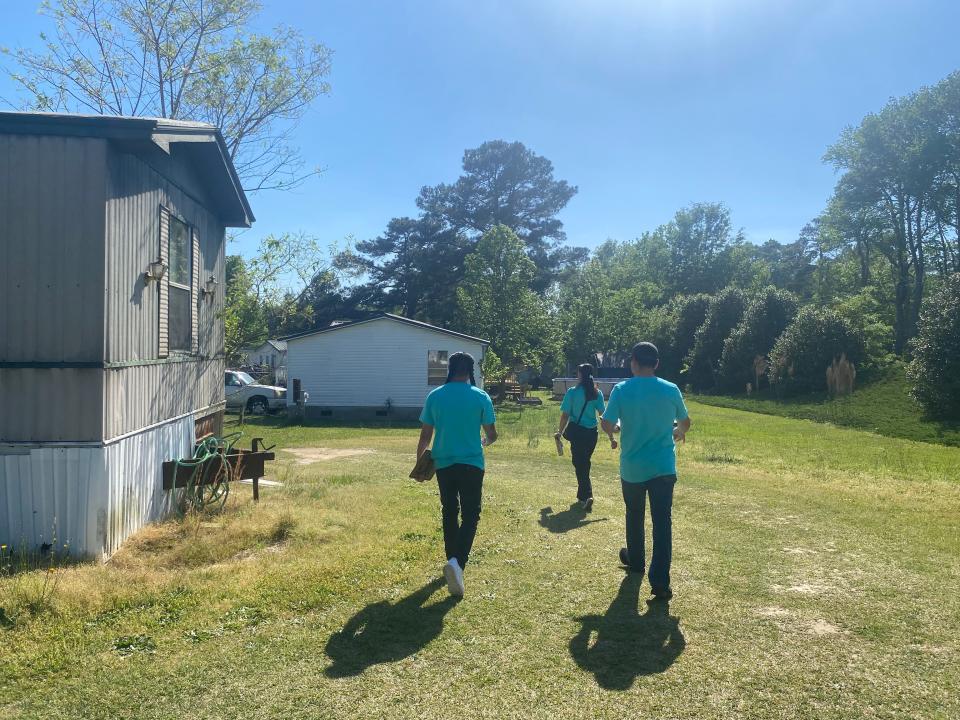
436, 367
180, 320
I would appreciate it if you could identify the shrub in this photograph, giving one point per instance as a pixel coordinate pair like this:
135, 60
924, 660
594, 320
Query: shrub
703, 360
691, 311
764, 321
802, 354
934, 371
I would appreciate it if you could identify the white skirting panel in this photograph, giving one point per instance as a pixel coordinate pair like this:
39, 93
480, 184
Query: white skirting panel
92, 498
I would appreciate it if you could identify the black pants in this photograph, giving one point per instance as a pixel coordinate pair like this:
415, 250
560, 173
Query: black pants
581, 451
460, 490
660, 490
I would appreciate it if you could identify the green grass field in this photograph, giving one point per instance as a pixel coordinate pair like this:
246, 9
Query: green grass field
883, 406
816, 571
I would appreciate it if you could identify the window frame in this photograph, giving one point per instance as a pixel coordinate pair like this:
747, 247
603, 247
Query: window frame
174, 286
435, 366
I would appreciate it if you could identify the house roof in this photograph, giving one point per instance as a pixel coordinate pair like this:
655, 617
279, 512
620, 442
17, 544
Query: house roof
387, 316
202, 142
280, 345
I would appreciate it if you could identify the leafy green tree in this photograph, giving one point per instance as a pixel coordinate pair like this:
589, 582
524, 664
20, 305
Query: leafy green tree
703, 361
934, 370
495, 300
802, 354
700, 238
508, 184
186, 60
765, 319
892, 165
244, 320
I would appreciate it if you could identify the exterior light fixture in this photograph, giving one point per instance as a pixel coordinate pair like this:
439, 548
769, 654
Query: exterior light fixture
210, 287
155, 271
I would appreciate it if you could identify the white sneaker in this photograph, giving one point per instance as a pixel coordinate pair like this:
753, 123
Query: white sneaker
454, 576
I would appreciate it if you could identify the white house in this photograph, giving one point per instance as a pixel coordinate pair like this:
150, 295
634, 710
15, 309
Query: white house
272, 354
382, 366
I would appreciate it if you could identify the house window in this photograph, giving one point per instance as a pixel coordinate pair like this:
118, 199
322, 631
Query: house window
436, 367
180, 318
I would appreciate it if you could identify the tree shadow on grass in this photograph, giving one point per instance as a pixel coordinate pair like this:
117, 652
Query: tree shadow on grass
383, 632
565, 520
626, 644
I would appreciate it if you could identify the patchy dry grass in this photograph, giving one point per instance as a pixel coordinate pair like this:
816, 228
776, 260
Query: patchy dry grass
816, 572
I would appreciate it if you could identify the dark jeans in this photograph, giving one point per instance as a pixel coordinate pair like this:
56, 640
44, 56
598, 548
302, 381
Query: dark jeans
660, 490
580, 452
460, 490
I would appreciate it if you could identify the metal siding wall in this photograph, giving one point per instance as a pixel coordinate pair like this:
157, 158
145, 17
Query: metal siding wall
346, 368
90, 498
134, 478
143, 395
52, 191
140, 396
136, 192
54, 495
52, 194
51, 404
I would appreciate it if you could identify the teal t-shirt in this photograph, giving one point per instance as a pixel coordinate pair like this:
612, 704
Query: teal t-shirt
456, 411
646, 408
573, 402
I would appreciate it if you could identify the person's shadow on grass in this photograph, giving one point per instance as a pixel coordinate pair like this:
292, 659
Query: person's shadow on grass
565, 520
384, 632
628, 644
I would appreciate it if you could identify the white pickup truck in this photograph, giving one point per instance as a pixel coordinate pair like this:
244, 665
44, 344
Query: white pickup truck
241, 391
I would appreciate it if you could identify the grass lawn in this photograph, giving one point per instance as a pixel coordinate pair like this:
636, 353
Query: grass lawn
883, 406
816, 571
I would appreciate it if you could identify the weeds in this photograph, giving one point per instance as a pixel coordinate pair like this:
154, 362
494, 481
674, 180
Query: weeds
29, 580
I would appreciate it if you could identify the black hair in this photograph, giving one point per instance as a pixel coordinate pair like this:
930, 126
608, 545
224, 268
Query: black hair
646, 355
460, 364
585, 372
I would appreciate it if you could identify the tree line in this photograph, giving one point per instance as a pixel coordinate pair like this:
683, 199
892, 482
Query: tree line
486, 254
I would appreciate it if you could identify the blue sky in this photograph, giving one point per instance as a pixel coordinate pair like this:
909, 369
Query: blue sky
645, 105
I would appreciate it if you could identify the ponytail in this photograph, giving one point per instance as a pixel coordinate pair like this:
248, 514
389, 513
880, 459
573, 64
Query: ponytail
586, 381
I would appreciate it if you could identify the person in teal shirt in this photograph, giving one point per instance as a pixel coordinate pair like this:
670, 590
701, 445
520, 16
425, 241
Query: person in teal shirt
452, 418
581, 405
652, 417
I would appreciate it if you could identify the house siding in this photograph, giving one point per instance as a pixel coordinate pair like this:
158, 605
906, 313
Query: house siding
367, 364
52, 193
139, 390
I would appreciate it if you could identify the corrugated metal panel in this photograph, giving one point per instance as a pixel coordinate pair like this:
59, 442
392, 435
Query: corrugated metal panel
51, 404
347, 368
134, 478
53, 495
52, 193
91, 498
143, 395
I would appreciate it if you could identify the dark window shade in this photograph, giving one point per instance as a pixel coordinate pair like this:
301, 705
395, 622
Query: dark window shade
180, 325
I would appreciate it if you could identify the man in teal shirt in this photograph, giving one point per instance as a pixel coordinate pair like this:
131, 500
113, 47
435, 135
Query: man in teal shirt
646, 407
452, 418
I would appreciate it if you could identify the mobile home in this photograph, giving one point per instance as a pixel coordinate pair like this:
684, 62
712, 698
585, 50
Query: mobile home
111, 339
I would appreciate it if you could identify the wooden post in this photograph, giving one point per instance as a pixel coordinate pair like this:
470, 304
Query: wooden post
256, 489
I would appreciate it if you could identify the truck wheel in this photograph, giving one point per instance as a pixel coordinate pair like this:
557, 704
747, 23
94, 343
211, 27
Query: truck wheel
257, 405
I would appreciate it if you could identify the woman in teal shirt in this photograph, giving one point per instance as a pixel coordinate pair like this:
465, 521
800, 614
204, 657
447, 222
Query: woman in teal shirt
456, 411
580, 406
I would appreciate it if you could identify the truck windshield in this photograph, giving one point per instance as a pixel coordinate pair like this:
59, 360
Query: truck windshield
244, 378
